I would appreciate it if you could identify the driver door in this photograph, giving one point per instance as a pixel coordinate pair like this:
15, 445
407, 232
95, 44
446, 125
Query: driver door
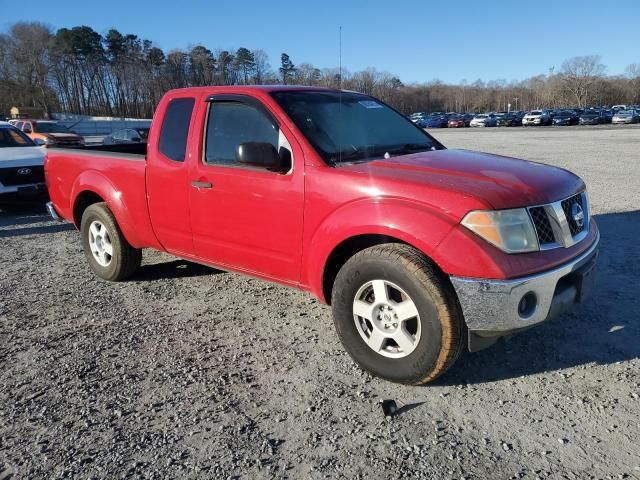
244, 217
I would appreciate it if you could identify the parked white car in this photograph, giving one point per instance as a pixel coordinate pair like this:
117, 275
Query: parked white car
483, 120
21, 166
536, 117
626, 116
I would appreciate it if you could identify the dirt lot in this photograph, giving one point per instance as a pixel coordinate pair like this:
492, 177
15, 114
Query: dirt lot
192, 373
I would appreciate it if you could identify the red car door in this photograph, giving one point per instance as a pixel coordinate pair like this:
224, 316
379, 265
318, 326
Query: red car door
246, 218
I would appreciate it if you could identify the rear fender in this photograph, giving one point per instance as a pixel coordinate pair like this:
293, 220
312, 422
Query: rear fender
96, 182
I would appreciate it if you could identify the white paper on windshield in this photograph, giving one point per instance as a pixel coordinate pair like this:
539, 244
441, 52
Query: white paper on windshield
369, 104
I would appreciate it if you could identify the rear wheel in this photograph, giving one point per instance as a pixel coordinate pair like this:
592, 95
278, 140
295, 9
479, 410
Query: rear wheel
109, 254
397, 315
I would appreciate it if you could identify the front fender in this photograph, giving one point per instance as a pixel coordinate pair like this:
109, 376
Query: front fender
411, 222
96, 182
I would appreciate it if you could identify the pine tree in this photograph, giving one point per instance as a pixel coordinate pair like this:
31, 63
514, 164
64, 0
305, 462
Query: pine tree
245, 64
287, 68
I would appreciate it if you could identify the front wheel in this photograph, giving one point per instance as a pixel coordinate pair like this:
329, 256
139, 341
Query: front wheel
109, 254
397, 315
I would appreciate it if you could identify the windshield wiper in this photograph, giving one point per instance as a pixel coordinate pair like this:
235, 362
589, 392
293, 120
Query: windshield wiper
410, 148
369, 154
346, 155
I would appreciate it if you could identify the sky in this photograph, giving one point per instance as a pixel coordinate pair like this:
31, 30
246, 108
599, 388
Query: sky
418, 40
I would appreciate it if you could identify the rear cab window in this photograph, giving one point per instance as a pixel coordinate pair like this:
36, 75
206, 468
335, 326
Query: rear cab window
175, 128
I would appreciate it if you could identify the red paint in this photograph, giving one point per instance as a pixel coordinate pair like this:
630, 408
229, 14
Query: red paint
284, 227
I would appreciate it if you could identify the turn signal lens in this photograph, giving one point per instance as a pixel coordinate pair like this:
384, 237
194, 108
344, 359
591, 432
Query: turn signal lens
509, 230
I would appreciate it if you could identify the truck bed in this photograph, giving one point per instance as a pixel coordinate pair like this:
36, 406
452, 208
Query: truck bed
115, 173
130, 148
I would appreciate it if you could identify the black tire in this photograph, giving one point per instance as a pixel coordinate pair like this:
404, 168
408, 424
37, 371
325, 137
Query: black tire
125, 259
442, 326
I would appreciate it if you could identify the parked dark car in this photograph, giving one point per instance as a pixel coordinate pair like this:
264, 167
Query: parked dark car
127, 135
510, 120
607, 115
592, 117
433, 121
565, 117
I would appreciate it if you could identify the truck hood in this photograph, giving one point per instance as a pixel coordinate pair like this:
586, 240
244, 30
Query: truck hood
70, 136
21, 156
498, 181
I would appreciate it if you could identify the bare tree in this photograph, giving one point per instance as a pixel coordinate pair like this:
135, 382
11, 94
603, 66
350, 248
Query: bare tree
78, 70
579, 74
27, 48
632, 72
263, 73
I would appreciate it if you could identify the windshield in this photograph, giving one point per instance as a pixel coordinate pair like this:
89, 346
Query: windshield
50, 128
345, 126
12, 137
535, 112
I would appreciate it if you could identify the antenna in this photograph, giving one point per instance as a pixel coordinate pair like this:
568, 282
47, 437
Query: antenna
340, 87
340, 53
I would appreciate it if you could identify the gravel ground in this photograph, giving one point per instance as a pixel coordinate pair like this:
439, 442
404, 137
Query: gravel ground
187, 372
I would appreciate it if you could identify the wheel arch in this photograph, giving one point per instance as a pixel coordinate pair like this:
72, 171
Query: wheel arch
350, 246
343, 252
363, 224
84, 200
93, 187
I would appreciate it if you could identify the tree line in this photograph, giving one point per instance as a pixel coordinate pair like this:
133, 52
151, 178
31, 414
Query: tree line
78, 70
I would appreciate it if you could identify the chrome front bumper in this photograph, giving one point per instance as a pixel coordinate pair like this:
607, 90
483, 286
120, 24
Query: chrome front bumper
491, 308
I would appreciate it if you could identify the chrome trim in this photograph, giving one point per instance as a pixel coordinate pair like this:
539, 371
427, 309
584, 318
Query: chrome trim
492, 305
560, 224
52, 212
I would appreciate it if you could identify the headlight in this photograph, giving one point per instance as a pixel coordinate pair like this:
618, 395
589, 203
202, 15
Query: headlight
509, 230
49, 141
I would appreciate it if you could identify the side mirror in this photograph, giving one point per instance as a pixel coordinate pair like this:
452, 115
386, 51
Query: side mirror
263, 155
39, 142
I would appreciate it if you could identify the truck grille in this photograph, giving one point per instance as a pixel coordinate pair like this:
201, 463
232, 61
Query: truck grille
10, 177
67, 142
557, 226
567, 206
542, 225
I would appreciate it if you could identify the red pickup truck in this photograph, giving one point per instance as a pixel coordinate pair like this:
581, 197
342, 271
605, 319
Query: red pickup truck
419, 250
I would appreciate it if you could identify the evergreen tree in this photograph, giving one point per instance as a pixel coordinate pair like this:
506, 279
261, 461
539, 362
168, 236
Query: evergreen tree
287, 68
245, 64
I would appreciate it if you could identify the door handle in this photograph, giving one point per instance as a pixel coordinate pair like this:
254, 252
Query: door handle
201, 184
